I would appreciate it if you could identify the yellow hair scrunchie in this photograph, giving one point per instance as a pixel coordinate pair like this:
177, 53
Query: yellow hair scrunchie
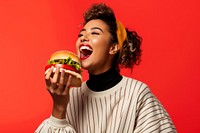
121, 34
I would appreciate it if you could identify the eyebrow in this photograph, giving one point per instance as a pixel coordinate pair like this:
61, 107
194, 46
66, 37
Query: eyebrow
93, 28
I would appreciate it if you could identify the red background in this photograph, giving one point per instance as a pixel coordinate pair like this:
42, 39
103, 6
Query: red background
30, 31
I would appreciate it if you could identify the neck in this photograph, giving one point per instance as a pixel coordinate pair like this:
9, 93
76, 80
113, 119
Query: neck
104, 80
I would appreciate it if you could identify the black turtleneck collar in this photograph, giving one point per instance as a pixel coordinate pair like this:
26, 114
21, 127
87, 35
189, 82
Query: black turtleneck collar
104, 80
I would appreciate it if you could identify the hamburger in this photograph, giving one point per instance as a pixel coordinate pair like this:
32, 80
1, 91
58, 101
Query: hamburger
69, 62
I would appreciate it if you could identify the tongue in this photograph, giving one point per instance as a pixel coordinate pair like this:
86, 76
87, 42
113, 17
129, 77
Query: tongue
86, 52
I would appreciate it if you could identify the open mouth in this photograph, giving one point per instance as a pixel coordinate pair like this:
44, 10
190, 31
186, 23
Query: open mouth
85, 51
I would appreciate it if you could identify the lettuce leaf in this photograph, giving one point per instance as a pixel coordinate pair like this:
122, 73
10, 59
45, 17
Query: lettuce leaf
67, 61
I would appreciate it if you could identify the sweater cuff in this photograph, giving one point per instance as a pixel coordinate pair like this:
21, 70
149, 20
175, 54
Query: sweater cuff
57, 122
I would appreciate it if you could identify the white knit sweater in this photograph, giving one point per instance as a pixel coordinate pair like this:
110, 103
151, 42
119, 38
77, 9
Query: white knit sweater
128, 107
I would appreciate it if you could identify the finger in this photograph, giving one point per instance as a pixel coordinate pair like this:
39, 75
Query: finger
62, 76
66, 90
54, 80
61, 85
49, 72
56, 76
48, 76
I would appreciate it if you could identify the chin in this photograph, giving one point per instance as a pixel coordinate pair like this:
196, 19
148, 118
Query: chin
85, 65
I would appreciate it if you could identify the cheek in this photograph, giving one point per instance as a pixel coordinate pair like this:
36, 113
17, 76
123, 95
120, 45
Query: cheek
101, 43
77, 45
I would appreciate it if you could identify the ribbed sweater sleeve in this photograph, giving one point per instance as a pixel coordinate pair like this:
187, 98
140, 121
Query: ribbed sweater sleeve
151, 116
54, 125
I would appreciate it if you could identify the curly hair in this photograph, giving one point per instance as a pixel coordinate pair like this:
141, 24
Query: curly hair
131, 50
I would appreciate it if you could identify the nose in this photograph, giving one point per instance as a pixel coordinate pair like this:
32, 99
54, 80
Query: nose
84, 38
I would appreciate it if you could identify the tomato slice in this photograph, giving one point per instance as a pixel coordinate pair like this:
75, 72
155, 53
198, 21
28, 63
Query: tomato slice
64, 66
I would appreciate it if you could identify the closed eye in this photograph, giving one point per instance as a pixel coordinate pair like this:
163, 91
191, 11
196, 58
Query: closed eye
80, 35
95, 33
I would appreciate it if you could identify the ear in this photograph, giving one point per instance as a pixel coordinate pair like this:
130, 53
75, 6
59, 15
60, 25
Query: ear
114, 48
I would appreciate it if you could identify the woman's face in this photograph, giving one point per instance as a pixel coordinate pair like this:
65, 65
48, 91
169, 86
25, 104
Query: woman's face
93, 46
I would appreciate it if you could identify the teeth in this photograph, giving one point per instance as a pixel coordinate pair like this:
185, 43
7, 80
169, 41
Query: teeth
85, 48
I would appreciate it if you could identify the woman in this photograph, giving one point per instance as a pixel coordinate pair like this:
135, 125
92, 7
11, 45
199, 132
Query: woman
107, 101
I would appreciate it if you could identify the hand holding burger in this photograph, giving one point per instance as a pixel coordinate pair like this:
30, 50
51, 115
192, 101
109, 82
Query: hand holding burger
69, 62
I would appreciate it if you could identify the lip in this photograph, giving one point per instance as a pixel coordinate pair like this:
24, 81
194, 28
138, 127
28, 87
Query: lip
84, 57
